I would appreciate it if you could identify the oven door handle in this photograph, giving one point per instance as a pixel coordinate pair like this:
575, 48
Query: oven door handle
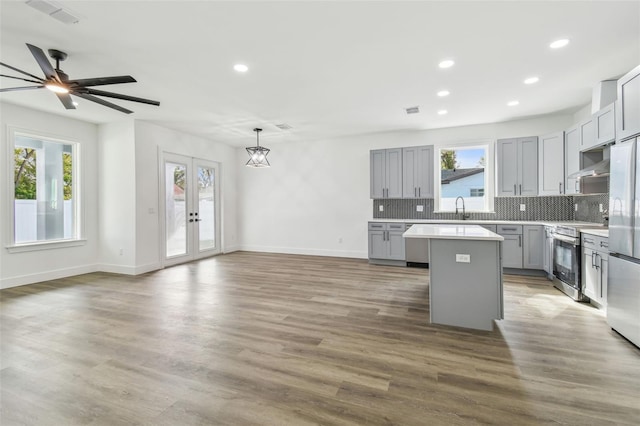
572, 241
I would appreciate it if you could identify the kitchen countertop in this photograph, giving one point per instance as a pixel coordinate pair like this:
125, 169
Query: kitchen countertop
452, 232
598, 232
491, 222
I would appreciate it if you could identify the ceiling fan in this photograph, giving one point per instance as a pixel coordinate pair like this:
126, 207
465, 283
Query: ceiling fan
58, 82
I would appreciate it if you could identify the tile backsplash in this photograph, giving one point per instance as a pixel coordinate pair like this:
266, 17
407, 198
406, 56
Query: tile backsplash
506, 208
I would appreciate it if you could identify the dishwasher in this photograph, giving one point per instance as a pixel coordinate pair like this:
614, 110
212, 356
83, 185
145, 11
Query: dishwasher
416, 251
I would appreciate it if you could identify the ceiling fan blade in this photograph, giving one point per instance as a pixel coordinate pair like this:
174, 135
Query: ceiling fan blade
101, 81
23, 72
20, 78
119, 96
12, 89
101, 102
66, 100
44, 63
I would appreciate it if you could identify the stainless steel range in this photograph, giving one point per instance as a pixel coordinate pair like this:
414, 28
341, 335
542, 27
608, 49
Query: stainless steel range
566, 261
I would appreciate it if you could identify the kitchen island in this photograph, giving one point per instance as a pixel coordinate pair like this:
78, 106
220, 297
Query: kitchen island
465, 266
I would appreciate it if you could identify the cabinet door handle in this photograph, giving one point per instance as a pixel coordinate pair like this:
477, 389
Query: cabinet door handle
593, 259
514, 189
415, 192
560, 188
586, 240
519, 240
576, 186
597, 266
520, 189
419, 192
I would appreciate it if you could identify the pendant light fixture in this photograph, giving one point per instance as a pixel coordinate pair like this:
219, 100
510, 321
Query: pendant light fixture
258, 154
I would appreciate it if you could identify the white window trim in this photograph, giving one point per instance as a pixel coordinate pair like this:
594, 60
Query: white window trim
489, 177
78, 205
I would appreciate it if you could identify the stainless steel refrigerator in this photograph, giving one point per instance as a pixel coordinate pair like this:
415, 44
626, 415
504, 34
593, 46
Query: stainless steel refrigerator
623, 295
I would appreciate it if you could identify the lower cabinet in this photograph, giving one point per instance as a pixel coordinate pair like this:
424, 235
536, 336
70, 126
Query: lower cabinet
386, 241
595, 269
511, 246
548, 251
533, 239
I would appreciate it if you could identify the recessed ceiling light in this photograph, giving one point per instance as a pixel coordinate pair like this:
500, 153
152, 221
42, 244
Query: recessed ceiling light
531, 80
74, 103
443, 93
559, 43
241, 67
513, 103
442, 112
446, 63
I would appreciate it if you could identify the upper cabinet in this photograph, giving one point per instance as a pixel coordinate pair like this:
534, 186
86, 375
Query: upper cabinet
386, 173
551, 164
517, 166
628, 111
604, 124
572, 142
417, 172
587, 135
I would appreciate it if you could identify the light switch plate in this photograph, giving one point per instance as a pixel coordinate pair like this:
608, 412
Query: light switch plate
523, 207
463, 258
575, 207
421, 208
380, 208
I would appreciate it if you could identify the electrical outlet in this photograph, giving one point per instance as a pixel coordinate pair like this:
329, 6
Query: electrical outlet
600, 208
575, 207
421, 208
463, 258
523, 207
380, 208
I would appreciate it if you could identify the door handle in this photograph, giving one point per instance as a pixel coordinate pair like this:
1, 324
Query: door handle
560, 187
514, 189
190, 220
419, 192
597, 266
576, 186
593, 261
519, 240
520, 189
415, 192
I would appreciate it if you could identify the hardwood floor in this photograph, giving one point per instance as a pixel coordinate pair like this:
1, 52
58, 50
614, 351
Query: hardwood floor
250, 338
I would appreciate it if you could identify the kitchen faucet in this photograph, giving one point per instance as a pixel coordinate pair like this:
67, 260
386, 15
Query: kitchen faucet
464, 215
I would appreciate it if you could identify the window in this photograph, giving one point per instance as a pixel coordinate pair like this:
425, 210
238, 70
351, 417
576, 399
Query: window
464, 172
45, 190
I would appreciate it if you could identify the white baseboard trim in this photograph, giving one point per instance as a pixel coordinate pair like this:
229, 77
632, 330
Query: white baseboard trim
309, 252
129, 270
231, 249
46, 276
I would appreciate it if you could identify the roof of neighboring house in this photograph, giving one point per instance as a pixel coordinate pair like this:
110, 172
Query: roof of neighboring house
448, 176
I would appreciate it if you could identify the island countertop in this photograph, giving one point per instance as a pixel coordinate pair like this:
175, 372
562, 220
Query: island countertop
452, 232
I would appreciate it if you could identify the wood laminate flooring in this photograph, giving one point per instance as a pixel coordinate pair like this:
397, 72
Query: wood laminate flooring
269, 339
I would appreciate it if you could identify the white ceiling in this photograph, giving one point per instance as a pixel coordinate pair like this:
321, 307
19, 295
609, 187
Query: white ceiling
328, 69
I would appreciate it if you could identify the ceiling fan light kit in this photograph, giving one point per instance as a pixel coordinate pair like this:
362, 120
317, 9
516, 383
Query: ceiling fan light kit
58, 82
258, 154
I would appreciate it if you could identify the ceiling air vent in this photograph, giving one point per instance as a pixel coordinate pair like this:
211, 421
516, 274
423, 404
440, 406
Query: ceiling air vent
413, 110
284, 126
54, 10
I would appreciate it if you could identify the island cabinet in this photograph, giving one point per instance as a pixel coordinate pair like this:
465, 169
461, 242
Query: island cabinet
628, 110
417, 172
386, 173
465, 277
517, 166
595, 268
551, 164
386, 243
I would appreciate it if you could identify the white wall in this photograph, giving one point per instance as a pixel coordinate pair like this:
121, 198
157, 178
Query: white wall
32, 266
117, 198
317, 193
150, 141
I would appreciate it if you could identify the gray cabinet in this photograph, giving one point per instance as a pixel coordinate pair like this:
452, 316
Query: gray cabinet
604, 122
386, 173
551, 164
628, 105
386, 241
587, 135
417, 172
518, 166
571, 158
595, 268
533, 240
548, 251
511, 246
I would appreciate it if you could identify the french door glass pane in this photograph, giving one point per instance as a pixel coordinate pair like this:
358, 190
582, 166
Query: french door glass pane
206, 208
176, 217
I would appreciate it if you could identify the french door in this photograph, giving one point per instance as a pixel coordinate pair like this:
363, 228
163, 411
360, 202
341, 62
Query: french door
191, 208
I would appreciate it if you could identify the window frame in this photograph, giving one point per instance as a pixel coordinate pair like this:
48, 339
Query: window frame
489, 173
77, 193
